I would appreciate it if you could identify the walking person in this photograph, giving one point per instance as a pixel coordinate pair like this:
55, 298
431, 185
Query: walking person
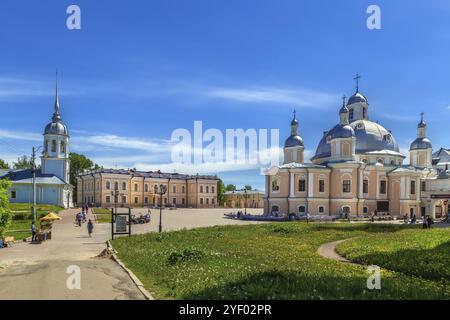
79, 218
429, 221
90, 227
425, 222
33, 232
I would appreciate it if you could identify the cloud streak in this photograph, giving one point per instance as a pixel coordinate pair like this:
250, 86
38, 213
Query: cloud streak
265, 95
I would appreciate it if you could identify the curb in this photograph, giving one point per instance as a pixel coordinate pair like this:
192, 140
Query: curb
133, 277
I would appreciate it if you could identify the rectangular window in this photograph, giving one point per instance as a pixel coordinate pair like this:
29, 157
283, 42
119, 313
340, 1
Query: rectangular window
124, 199
146, 188
146, 200
413, 186
108, 199
135, 187
13, 194
213, 189
423, 186
53, 145
183, 189
321, 185
124, 186
213, 201
383, 187
174, 189
365, 186
182, 201
201, 200
207, 201
136, 200
346, 186
201, 189
302, 185
174, 201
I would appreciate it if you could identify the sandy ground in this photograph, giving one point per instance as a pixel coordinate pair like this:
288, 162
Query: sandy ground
38, 271
188, 219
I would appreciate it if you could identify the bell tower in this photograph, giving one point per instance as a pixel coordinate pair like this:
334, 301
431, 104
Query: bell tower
55, 155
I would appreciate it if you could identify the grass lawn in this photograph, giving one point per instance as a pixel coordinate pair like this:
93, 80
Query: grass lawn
21, 229
424, 253
274, 261
103, 215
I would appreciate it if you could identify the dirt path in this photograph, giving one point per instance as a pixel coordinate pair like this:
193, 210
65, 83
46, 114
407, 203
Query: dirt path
328, 250
38, 271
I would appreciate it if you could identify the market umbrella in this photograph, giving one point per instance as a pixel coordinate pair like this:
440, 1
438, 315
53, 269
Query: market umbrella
51, 217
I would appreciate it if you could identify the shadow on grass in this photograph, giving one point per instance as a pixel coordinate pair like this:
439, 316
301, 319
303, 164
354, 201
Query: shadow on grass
432, 264
295, 286
366, 227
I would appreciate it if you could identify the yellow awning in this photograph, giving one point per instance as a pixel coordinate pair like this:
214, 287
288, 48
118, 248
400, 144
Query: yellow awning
51, 217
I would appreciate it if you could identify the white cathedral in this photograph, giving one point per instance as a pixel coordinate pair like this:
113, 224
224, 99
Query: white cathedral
52, 180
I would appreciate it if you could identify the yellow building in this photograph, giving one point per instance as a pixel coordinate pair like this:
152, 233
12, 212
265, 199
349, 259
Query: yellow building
357, 170
242, 199
137, 189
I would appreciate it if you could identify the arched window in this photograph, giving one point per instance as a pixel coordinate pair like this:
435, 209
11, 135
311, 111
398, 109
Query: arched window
108, 185
201, 189
364, 160
364, 113
346, 186
124, 185
321, 209
365, 210
155, 188
302, 185
350, 115
301, 209
53, 145
136, 187
63, 147
276, 184
116, 185
275, 209
346, 210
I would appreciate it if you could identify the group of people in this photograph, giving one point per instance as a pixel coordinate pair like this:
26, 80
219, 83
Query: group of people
81, 218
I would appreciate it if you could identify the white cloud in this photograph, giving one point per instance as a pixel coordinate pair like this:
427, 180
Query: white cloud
114, 141
292, 97
20, 135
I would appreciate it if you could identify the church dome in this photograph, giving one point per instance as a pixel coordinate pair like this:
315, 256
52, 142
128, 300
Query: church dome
342, 131
356, 98
57, 128
293, 141
370, 136
421, 143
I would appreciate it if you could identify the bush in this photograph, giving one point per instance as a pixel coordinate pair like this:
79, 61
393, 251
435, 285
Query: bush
188, 254
5, 212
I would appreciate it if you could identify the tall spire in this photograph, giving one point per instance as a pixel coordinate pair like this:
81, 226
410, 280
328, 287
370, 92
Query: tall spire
356, 78
294, 124
56, 114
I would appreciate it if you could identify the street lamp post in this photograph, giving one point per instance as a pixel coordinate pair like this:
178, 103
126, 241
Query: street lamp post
33, 171
161, 190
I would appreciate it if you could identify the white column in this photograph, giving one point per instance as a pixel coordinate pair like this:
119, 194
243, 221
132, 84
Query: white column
292, 185
402, 188
310, 185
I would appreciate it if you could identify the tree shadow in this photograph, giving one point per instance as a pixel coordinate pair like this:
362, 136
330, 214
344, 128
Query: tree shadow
366, 227
283, 285
432, 264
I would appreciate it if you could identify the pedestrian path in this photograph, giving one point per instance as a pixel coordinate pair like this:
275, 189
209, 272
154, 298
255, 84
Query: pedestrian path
38, 271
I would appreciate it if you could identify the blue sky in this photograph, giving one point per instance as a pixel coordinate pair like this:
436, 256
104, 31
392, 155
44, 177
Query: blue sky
137, 70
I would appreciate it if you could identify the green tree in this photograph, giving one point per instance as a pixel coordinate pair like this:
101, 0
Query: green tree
220, 192
5, 212
79, 163
23, 162
230, 187
248, 187
3, 164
